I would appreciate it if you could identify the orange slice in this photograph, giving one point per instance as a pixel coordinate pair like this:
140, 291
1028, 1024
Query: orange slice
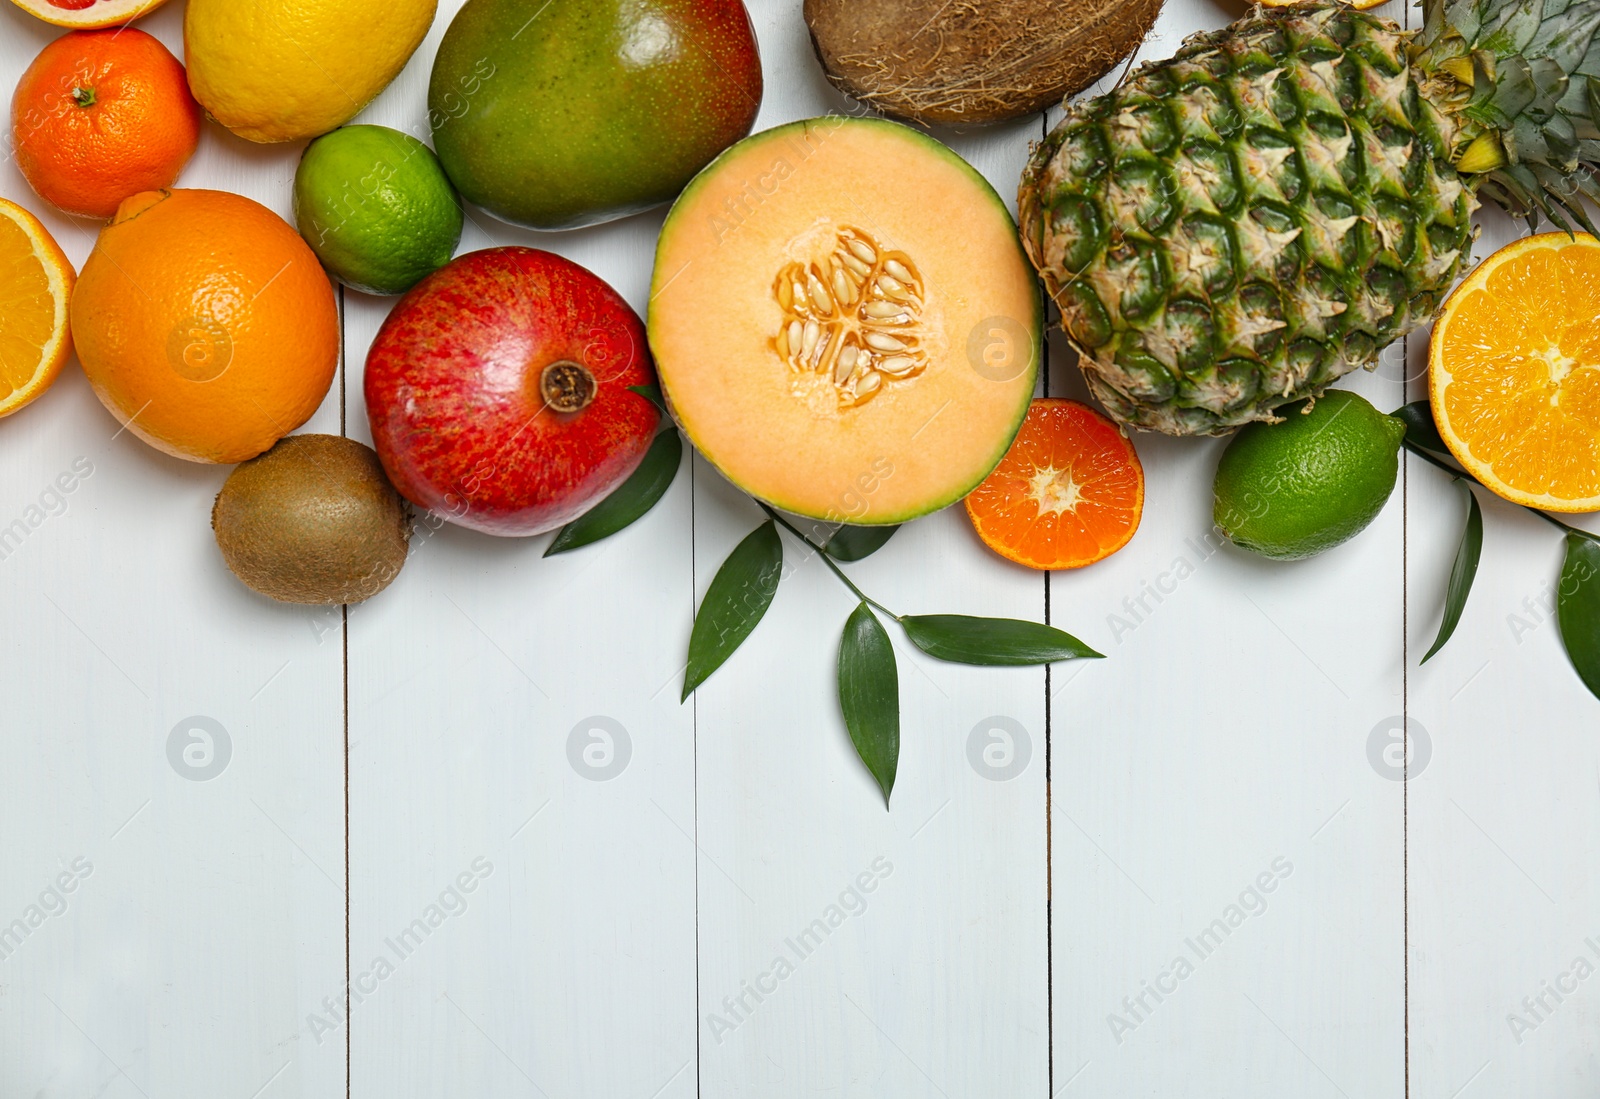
1514, 368
88, 14
1068, 493
35, 283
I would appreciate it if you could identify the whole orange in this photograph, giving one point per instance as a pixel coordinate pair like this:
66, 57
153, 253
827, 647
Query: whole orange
205, 324
101, 115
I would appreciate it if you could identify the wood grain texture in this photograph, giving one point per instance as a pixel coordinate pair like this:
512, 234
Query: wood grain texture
1505, 908
1228, 869
477, 686
932, 983
558, 916
212, 910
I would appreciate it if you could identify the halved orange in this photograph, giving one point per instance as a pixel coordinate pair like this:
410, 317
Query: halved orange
88, 14
36, 280
1068, 493
1514, 368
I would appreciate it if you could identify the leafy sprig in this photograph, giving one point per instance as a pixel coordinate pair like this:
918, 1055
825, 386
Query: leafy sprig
1577, 598
745, 584
869, 686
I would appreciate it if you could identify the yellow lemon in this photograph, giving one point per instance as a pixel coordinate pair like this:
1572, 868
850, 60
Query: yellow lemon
285, 70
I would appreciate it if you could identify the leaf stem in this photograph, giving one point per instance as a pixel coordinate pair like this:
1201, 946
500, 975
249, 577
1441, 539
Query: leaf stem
1426, 456
826, 560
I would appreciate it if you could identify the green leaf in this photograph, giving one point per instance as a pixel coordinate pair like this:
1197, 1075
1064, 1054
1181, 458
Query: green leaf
1420, 428
1461, 573
652, 393
854, 543
869, 694
1578, 608
630, 500
992, 641
739, 595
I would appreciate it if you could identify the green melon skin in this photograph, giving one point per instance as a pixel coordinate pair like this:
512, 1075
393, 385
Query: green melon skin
556, 115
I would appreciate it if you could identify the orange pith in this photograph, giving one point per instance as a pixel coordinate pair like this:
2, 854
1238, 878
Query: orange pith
35, 284
1068, 493
1515, 372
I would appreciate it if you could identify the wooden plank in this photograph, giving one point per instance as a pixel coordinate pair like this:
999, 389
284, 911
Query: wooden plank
205, 911
1505, 909
1227, 870
515, 720
916, 937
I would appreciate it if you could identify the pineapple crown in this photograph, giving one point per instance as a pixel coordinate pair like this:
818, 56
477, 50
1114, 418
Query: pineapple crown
1521, 81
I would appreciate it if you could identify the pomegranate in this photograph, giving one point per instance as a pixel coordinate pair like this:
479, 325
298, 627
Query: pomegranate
497, 391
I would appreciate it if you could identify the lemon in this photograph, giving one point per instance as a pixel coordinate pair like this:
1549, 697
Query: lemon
376, 208
1293, 489
284, 70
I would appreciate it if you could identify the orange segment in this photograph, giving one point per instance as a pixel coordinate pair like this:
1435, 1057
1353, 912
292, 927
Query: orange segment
35, 284
1515, 372
1068, 493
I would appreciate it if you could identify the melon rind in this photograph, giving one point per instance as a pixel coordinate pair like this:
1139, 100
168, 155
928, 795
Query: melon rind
953, 452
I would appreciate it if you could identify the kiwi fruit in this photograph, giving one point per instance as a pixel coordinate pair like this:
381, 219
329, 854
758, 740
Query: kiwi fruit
313, 520
963, 62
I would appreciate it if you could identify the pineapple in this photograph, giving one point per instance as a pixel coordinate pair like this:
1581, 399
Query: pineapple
1234, 228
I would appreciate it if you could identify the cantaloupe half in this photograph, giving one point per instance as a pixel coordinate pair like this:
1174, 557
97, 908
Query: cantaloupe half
844, 321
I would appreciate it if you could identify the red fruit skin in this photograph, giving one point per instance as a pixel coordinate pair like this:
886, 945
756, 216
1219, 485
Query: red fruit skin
454, 401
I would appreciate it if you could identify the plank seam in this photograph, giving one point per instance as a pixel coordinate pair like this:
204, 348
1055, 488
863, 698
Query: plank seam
345, 646
1405, 726
1405, 710
694, 740
1049, 832
344, 656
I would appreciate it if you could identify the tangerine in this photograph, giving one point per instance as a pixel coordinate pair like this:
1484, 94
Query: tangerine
101, 115
1068, 493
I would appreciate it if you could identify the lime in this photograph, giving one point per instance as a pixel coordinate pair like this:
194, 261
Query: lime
1293, 489
376, 208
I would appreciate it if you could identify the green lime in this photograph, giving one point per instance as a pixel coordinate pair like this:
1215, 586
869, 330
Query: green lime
376, 208
1293, 489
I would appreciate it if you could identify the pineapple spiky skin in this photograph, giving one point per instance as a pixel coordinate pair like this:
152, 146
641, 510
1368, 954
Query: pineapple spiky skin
1235, 228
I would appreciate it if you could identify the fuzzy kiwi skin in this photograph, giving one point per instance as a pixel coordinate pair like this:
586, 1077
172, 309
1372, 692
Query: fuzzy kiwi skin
313, 520
965, 62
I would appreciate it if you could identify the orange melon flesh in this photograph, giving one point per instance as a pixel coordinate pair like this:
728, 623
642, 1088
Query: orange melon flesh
797, 199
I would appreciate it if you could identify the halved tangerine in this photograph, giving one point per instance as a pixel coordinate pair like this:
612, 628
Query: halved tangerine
1514, 367
1068, 493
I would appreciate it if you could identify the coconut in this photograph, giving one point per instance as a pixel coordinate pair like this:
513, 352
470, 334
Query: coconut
955, 62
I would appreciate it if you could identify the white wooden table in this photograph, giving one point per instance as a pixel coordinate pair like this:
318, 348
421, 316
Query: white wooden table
478, 800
